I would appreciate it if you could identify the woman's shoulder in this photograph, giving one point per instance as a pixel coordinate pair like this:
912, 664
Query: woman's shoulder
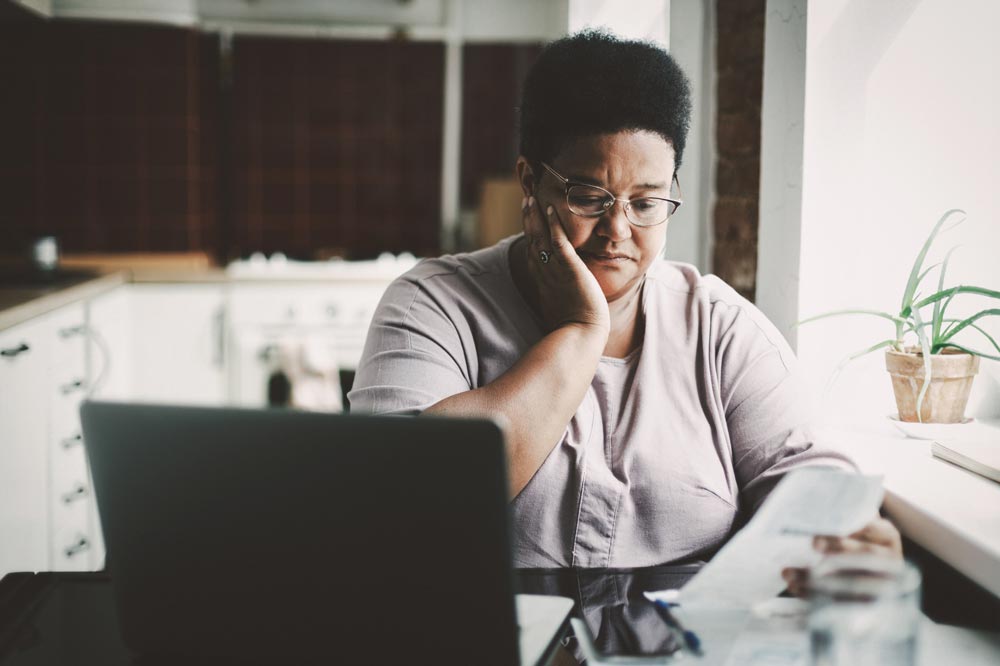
707, 303
459, 286
462, 266
679, 280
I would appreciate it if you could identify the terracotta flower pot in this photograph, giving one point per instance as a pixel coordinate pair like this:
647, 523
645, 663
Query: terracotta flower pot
952, 373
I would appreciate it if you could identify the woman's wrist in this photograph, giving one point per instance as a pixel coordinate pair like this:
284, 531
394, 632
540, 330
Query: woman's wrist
586, 335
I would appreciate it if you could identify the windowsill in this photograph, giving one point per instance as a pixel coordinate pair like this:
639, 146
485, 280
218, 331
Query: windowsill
948, 510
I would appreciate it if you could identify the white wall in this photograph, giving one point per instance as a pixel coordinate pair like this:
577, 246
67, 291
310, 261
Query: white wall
692, 43
637, 19
899, 123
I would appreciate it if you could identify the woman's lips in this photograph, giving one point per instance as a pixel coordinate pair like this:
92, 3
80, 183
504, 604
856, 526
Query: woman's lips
606, 257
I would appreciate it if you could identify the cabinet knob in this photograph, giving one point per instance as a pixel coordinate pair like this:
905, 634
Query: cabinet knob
14, 351
70, 442
75, 385
78, 492
82, 544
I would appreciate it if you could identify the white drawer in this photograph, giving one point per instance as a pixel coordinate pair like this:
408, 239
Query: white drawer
67, 465
70, 531
70, 497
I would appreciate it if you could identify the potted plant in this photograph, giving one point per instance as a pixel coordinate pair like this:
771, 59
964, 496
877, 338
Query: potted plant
936, 354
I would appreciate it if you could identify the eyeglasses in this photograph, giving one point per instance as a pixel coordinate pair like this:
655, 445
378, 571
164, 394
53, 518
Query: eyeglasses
594, 201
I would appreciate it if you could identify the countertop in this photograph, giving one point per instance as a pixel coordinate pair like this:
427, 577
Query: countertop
90, 275
22, 302
950, 511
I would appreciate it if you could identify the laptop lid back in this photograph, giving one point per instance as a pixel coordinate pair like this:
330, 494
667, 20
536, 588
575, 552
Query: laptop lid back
280, 535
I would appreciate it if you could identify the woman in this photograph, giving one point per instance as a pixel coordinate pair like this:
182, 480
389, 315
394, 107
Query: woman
650, 409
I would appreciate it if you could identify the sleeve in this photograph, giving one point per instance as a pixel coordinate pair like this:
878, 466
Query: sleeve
766, 406
413, 355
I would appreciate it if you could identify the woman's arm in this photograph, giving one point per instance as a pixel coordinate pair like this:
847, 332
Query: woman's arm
539, 395
536, 398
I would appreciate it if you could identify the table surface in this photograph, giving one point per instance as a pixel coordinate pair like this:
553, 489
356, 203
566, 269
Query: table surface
76, 623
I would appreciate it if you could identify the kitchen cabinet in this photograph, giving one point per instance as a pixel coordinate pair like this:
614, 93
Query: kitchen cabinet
47, 516
73, 529
23, 433
195, 343
110, 357
177, 342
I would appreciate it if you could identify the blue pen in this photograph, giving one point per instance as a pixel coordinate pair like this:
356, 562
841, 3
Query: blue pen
691, 639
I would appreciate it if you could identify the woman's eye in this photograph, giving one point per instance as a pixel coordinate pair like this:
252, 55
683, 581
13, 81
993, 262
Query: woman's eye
646, 205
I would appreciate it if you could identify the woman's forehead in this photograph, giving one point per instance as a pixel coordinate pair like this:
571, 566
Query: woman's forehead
627, 155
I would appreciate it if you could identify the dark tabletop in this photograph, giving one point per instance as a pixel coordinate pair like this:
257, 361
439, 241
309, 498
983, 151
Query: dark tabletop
70, 618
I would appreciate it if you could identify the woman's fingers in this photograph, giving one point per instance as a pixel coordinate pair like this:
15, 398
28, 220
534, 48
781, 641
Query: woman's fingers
796, 579
881, 532
879, 537
534, 227
560, 242
847, 545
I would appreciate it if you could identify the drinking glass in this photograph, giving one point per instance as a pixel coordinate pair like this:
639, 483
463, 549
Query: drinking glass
864, 611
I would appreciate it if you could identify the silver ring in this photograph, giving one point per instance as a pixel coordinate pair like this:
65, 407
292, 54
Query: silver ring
544, 256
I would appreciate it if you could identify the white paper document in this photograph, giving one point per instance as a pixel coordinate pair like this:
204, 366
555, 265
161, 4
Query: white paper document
805, 503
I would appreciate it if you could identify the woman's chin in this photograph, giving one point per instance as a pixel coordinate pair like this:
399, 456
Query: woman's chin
613, 286
613, 279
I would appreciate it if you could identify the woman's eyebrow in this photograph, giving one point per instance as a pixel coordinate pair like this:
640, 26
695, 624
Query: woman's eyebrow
651, 186
584, 180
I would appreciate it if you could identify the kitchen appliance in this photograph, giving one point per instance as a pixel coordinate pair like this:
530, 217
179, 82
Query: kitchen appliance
296, 330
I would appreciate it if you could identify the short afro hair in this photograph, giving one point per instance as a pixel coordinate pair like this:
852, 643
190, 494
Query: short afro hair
593, 83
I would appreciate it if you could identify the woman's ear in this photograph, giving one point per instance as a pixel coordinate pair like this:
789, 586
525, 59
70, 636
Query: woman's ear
525, 176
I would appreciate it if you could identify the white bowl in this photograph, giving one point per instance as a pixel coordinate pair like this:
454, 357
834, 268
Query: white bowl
931, 430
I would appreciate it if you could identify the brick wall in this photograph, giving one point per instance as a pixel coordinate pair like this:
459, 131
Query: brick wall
740, 59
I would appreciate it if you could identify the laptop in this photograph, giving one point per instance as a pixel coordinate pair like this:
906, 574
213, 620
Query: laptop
278, 536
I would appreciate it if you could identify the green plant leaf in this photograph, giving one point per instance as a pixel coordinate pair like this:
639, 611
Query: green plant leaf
911, 284
960, 289
947, 302
972, 351
967, 322
988, 337
926, 271
850, 357
925, 349
974, 326
939, 306
837, 313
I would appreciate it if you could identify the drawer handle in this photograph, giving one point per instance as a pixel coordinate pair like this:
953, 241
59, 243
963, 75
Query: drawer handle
70, 331
70, 442
14, 351
79, 492
81, 545
75, 385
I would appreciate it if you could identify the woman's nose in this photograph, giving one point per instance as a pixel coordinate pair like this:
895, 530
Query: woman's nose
614, 225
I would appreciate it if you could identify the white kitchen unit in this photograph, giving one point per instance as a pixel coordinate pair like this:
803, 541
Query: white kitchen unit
47, 517
211, 342
111, 359
177, 334
310, 331
72, 525
23, 434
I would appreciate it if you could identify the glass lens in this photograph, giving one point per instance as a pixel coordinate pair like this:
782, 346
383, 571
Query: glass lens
650, 210
585, 200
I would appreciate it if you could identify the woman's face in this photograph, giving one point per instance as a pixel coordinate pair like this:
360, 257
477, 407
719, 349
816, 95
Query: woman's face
629, 164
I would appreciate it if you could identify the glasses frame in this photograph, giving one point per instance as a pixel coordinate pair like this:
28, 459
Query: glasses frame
626, 203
